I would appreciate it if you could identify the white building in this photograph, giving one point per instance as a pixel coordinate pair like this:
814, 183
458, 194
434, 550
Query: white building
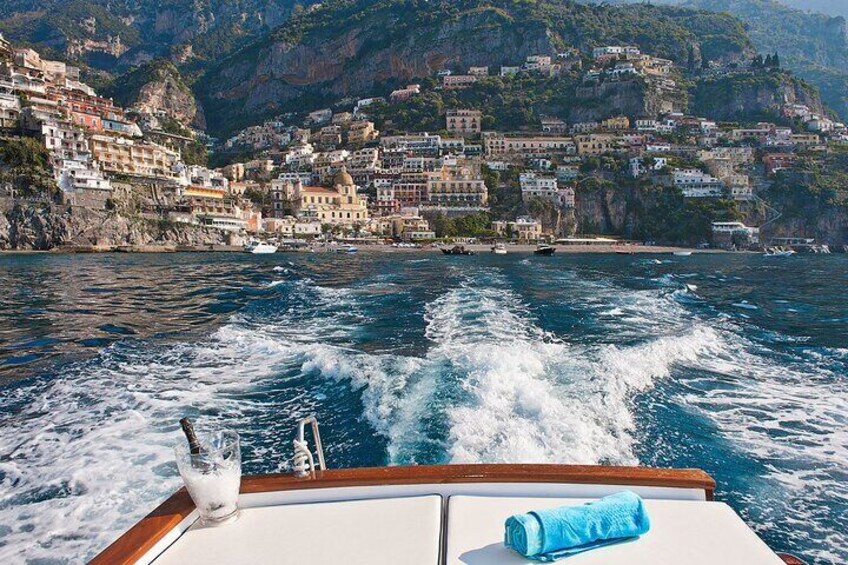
697, 184
547, 188
639, 165
730, 228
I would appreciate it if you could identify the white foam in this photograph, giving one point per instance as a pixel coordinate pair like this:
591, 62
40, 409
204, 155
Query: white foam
504, 390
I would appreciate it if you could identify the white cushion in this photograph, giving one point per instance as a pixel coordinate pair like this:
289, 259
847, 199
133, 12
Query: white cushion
365, 532
682, 533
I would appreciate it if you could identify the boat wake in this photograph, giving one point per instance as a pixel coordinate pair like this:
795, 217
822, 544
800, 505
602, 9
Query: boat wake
87, 452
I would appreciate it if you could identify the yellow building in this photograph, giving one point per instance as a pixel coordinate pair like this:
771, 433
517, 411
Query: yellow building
596, 143
361, 131
616, 123
340, 205
497, 144
119, 155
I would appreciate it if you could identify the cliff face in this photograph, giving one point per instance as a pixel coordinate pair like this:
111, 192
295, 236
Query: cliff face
169, 96
732, 97
648, 212
367, 47
48, 226
156, 87
111, 34
624, 98
356, 62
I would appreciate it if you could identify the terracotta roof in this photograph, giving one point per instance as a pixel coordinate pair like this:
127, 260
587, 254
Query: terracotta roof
318, 190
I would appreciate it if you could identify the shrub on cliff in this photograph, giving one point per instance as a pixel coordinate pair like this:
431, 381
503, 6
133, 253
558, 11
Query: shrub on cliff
25, 167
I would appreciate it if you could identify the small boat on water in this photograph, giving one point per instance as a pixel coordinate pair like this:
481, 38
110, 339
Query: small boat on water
257, 247
544, 249
457, 250
430, 515
623, 252
499, 249
347, 249
779, 253
682, 253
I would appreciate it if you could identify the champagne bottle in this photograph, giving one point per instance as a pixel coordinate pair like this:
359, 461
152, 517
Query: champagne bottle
188, 430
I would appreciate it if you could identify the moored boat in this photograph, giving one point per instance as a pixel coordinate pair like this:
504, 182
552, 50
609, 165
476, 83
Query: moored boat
499, 249
779, 253
682, 253
440, 514
544, 249
257, 247
457, 250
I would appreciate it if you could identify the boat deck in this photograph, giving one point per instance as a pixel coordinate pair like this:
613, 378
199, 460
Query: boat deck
439, 515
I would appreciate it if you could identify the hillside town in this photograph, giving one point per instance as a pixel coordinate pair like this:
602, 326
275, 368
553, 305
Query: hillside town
330, 173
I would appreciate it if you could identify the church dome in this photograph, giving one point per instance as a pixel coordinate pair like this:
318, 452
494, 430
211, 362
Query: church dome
343, 178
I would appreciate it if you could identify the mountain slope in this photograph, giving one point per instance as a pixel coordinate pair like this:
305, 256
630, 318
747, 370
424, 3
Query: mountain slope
86, 30
813, 45
829, 7
364, 47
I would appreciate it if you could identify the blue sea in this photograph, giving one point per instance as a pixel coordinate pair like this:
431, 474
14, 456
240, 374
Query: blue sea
737, 364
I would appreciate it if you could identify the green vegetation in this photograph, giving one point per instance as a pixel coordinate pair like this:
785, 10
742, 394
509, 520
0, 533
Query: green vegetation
505, 201
455, 33
472, 225
125, 89
671, 218
813, 45
25, 166
749, 96
819, 183
193, 152
507, 104
51, 24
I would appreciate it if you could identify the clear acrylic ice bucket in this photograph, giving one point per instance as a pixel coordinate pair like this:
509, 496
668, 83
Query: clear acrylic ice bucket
213, 476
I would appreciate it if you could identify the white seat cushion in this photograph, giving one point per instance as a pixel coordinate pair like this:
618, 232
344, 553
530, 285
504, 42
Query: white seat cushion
682, 533
364, 532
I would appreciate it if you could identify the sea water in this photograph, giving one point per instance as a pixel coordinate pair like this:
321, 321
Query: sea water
736, 364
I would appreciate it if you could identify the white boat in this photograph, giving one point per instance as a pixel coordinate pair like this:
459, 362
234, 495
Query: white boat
436, 515
682, 253
259, 247
786, 253
499, 249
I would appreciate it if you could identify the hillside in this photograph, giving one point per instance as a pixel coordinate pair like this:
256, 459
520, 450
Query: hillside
751, 97
830, 7
156, 87
115, 34
813, 45
364, 47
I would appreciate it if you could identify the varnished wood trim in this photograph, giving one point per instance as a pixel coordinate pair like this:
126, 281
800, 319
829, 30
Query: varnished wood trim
143, 536
790, 559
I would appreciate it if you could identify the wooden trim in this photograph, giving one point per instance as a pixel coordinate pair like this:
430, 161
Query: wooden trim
143, 536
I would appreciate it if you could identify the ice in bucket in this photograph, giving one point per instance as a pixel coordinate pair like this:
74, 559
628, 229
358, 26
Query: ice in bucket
210, 466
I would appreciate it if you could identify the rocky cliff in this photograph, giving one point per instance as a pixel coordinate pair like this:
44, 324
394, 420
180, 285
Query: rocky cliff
637, 211
750, 95
363, 47
156, 87
44, 226
110, 34
638, 98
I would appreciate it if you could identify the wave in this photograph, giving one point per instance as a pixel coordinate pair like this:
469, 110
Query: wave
489, 384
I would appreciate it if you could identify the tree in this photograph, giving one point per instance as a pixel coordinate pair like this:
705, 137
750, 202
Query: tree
690, 62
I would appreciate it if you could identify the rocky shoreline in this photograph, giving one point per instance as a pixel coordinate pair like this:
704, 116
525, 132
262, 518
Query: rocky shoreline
41, 226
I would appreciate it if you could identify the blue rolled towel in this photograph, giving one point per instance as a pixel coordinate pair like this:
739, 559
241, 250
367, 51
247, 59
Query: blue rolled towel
548, 535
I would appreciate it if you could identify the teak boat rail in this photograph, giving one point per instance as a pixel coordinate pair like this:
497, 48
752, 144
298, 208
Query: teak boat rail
133, 544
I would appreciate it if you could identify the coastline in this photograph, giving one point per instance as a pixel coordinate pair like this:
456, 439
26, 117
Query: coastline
477, 248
